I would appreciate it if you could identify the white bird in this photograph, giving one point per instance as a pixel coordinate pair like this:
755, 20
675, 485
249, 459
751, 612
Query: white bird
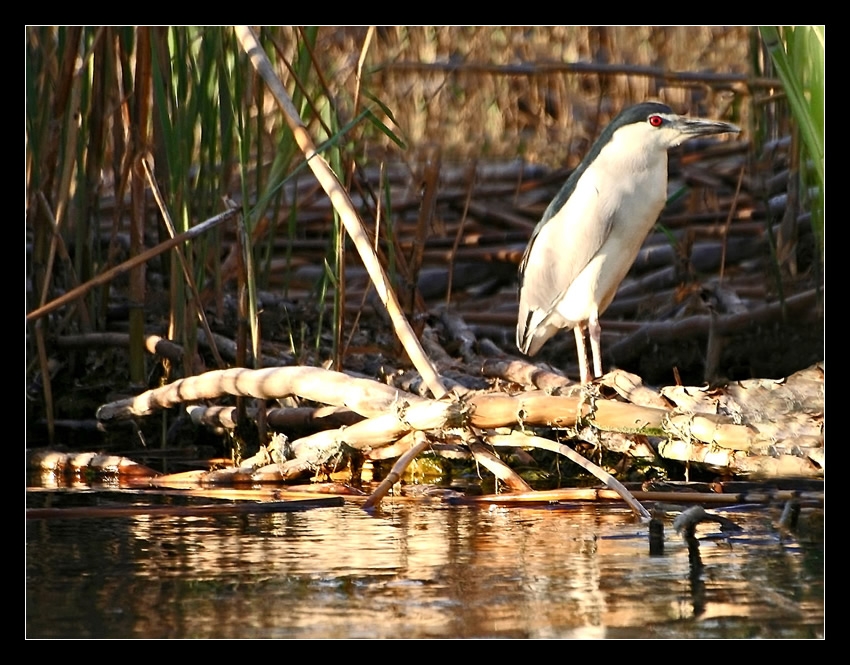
591, 232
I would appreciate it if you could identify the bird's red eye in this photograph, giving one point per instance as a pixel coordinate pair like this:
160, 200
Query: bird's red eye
656, 120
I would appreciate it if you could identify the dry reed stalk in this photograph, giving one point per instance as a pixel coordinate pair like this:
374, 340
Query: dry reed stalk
343, 205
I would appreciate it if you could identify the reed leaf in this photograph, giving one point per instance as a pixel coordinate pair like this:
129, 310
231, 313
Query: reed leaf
798, 54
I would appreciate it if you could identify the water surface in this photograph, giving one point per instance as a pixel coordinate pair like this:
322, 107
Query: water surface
417, 570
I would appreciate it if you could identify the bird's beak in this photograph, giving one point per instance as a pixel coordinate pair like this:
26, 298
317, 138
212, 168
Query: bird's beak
699, 127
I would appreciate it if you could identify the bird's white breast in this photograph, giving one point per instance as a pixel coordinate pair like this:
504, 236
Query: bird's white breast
624, 210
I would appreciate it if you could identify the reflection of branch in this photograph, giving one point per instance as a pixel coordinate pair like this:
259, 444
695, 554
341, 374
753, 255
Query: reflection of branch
695, 575
686, 523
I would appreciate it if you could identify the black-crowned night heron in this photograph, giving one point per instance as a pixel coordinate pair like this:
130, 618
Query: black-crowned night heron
591, 232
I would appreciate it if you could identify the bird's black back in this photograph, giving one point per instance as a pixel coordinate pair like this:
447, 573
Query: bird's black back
628, 116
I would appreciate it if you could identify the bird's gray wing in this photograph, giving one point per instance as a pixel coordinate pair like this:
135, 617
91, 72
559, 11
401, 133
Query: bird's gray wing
572, 231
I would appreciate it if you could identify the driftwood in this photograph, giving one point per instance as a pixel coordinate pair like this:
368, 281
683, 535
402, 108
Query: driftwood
83, 462
748, 441
389, 413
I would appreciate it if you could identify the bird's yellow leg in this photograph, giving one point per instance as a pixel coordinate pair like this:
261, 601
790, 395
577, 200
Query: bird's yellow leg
581, 350
595, 332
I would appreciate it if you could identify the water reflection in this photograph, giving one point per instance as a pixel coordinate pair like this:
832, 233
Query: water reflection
414, 570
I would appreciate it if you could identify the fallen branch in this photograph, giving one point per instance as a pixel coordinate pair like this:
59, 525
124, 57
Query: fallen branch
420, 444
391, 413
182, 511
519, 440
365, 396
